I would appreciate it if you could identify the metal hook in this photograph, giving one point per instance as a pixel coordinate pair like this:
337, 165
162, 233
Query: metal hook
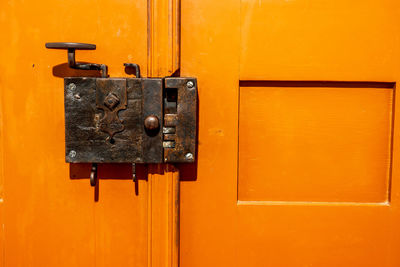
134, 178
135, 66
93, 175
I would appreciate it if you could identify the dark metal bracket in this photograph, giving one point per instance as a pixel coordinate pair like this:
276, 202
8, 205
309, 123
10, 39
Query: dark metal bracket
127, 120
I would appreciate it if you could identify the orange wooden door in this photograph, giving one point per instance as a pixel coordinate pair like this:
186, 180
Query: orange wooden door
298, 157
48, 218
298, 141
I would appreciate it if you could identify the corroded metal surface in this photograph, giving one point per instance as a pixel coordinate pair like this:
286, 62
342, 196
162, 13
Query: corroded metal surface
152, 106
83, 133
69, 45
135, 120
182, 143
111, 98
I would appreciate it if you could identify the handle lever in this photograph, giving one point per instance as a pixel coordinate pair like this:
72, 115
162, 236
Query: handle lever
71, 47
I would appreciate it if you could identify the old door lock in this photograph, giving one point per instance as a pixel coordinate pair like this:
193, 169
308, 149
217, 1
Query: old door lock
127, 120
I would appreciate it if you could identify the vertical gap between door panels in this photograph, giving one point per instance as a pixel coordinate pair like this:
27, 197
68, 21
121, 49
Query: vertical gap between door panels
391, 141
238, 147
322, 84
238, 89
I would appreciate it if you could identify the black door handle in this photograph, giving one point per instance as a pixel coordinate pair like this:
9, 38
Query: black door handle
71, 47
68, 45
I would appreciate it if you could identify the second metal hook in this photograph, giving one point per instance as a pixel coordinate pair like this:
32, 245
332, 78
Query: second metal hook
134, 66
93, 175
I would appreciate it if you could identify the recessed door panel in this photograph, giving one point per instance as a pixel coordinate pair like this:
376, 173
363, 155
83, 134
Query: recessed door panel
300, 141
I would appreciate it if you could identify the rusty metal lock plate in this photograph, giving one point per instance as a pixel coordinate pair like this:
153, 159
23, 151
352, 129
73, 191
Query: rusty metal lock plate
135, 120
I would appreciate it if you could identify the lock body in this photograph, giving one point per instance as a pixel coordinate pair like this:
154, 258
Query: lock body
130, 120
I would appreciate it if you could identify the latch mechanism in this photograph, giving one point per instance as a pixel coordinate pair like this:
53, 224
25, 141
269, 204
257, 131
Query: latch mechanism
127, 120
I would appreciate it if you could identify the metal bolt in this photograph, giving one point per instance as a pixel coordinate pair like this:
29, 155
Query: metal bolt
189, 156
190, 84
71, 86
72, 154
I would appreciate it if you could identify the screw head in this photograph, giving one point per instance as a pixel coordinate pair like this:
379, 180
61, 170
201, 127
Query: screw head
111, 101
71, 86
72, 154
190, 84
189, 156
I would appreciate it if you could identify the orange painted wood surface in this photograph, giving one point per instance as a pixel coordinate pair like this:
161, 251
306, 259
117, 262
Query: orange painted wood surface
319, 40
259, 197
163, 180
329, 144
48, 218
163, 216
52, 217
163, 37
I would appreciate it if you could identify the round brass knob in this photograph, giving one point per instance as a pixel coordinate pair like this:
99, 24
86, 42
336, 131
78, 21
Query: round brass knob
151, 123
